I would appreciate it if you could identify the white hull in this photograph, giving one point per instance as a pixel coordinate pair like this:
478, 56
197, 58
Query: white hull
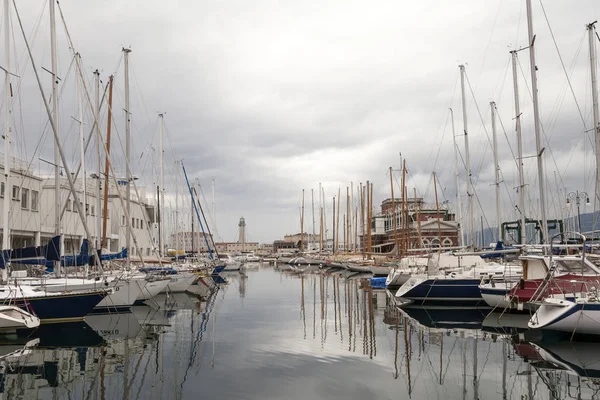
494, 294
124, 294
582, 317
180, 282
397, 278
124, 291
13, 317
230, 267
153, 288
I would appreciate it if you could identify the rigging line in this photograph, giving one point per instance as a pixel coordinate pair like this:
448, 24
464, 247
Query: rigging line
482, 124
545, 137
563, 65
440, 125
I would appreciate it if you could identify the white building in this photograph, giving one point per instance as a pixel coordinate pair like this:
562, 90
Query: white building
32, 213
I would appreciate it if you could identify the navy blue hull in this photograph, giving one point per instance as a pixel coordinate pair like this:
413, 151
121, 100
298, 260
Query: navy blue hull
456, 292
60, 307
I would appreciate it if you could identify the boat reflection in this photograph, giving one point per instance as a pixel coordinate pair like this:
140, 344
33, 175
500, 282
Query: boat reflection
112, 355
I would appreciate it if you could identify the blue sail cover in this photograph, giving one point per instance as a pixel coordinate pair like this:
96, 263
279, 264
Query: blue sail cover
48, 254
33, 255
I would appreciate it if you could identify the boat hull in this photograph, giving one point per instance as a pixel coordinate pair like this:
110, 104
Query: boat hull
567, 316
124, 295
59, 307
151, 289
180, 282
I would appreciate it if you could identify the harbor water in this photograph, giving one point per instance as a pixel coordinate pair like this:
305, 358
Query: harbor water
273, 334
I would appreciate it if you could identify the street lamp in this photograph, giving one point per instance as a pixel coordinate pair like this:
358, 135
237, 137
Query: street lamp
578, 196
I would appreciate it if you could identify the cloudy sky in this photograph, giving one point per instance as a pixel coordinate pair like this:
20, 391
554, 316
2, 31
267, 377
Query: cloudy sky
271, 97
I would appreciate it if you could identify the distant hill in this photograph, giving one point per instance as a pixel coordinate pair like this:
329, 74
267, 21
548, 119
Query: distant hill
587, 224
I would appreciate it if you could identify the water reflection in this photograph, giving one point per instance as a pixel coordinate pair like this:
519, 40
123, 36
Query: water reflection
284, 334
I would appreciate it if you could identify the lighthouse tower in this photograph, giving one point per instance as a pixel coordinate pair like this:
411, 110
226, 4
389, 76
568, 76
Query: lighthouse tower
242, 232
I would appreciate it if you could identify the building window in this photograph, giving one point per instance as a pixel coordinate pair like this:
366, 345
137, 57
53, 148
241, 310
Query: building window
93, 210
69, 205
142, 224
34, 200
87, 209
15, 193
123, 221
133, 222
25, 199
2, 189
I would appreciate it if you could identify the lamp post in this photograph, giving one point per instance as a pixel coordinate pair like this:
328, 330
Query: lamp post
577, 196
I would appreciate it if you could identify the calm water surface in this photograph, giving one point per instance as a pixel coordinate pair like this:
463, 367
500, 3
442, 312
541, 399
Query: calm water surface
271, 334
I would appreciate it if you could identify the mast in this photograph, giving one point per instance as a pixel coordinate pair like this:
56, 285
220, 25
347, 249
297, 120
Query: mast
496, 171
538, 133
458, 202
471, 241
79, 88
7, 138
437, 208
418, 211
302, 224
312, 203
523, 230
403, 209
162, 183
350, 235
592, 37
127, 156
337, 222
176, 210
347, 220
106, 163
320, 219
192, 224
371, 218
408, 228
362, 219
333, 224
98, 163
394, 213
57, 230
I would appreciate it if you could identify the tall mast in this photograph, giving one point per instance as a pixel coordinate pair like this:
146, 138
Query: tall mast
7, 137
418, 209
127, 153
333, 227
471, 238
403, 209
347, 219
98, 162
320, 219
496, 171
437, 208
337, 222
106, 164
395, 227
362, 219
458, 202
523, 238
162, 182
302, 224
176, 210
536, 117
351, 237
79, 87
312, 203
592, 39
57, 202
